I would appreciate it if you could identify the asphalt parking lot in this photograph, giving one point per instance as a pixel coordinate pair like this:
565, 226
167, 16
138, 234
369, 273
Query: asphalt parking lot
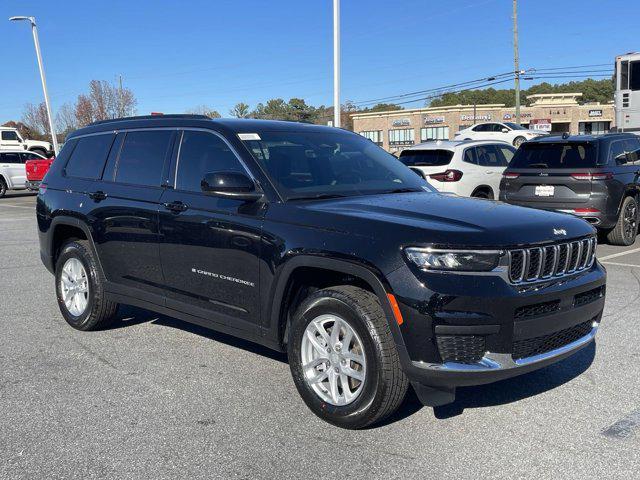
157, 398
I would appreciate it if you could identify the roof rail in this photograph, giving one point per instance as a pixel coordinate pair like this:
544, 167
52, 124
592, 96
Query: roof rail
149, 117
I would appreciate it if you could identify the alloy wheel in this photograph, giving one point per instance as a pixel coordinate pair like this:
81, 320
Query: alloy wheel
333, 360
630, 220
74, 287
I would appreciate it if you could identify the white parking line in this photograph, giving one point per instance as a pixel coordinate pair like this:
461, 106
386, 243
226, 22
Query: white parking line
16, 206
621, 264
615, 255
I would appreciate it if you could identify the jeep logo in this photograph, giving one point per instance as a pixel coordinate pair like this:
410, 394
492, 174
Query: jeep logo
559, 231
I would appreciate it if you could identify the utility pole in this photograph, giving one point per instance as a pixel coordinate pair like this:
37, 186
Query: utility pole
336, 63
516, 59
36, 42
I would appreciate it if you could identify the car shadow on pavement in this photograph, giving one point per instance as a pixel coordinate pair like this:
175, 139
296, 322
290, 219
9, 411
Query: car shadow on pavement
517, 388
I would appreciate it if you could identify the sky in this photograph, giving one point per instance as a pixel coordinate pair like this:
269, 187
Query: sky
177, 55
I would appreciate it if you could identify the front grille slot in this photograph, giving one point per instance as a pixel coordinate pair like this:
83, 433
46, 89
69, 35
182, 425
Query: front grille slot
588, 297
546, 343
461, 348
537, 309
538, 263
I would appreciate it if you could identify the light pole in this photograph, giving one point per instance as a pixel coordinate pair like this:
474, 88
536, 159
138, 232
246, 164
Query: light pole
34, 31
336, 63
516, 59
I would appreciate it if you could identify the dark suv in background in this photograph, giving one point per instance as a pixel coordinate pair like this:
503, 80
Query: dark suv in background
593, 177
314, 241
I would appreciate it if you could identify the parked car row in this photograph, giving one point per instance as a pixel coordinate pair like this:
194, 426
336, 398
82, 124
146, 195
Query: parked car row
20, 170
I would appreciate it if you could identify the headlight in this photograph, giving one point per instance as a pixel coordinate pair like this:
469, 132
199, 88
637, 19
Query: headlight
454, 260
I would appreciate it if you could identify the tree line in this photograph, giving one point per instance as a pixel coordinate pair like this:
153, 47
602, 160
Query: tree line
104, 100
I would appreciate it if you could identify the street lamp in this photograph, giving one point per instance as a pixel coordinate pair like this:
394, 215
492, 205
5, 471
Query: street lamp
336, 63
34, 31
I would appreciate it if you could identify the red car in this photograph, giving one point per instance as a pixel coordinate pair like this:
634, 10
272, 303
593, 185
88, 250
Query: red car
36, 166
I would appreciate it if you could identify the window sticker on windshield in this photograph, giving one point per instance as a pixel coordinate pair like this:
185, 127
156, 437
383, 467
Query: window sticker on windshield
248, 136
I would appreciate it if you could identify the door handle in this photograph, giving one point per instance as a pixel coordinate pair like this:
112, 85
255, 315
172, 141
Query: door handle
490, 172
97, 196
176, 207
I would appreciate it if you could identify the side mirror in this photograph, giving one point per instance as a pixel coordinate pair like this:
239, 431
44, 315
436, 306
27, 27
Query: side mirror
505, 130
230, 185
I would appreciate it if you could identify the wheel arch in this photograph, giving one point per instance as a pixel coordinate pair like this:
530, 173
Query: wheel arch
485, 188
282, 294
64, 228
632, 190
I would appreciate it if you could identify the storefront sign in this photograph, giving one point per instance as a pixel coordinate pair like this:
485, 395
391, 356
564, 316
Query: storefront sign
401, 122
541, 124
511, 116
472, 118
595, 113
432, 120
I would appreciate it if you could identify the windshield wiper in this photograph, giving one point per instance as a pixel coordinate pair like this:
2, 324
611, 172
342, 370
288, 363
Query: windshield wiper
320, 196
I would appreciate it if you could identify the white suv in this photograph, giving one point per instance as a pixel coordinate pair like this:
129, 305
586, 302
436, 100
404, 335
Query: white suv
506, 132
10, 139
466, 168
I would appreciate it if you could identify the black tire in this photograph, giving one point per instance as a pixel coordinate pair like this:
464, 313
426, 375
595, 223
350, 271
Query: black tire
518, 141
626, 229
485, 194
3, 187
99, 312
385, 384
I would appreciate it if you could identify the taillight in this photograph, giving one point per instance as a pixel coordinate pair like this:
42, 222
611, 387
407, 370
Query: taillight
447, 176
592, 176
510, 175
585, 211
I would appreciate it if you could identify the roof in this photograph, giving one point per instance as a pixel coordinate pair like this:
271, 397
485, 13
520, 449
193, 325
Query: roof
579, 138
451, 144
235, 125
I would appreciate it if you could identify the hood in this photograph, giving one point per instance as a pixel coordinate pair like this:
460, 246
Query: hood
445, 220
38, 143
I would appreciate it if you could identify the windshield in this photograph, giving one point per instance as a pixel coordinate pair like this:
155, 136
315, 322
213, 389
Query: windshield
515, 126
426, 158
555, 155
333, 163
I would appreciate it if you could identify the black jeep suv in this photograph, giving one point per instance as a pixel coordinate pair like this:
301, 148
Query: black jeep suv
314, 241
593, 177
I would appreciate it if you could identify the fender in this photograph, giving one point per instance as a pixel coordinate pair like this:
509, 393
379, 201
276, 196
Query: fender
374, 280
630, 190
71, 222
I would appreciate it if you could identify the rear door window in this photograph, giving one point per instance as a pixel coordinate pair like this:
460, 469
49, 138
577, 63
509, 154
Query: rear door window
142, 157
555, 155
490, 156
202, 153
11, 158
89, 156
426, 158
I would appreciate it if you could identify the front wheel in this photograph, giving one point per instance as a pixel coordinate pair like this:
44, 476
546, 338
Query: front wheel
518, 141
343, 358
626, 229
3, 187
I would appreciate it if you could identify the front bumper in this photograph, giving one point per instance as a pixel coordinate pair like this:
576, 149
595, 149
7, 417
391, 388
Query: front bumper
472, 330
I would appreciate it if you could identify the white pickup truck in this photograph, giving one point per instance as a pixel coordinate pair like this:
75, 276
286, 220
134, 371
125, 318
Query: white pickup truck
10, 139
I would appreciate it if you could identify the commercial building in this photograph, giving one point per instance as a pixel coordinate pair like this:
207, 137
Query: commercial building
553, 112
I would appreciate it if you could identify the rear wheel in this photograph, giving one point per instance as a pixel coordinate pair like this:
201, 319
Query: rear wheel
80, 288
483, 193
3, 187
343, 359
626, 229
518, 141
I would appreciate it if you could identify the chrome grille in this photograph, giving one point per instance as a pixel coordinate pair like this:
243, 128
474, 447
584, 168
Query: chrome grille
540, 263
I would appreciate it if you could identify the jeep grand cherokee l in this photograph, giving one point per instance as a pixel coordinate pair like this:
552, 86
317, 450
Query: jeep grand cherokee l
314, 241
593, 177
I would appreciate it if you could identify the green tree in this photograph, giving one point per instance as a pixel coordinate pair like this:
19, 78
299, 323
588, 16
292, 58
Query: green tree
240, 110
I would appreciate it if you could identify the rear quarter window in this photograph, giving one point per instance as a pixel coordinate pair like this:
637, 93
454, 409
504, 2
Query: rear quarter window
89, 156
426, 158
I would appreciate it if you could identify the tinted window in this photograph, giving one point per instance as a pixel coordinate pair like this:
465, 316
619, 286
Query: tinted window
142, 157
490, 156
87, 159
483, 127
426, 158
632, 146
634, 81
507, 153
555, 155
201, 153
9, 135
470, 156
30, 156
514, 126
306, 164
617, 153
11, 158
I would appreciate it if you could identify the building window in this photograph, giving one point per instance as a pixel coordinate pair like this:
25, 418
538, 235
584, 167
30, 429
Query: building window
374, 135
593, 128
401, 136
434, 133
